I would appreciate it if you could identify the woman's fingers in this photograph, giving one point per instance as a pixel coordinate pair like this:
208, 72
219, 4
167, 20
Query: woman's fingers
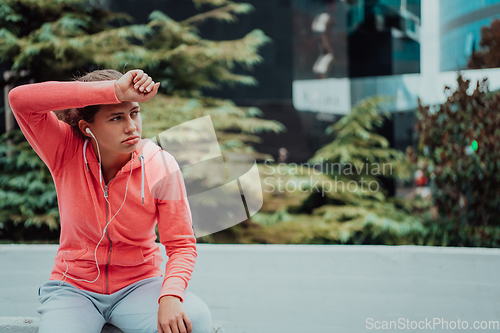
145, 85
181, 328
137, 73
136, 86
150, 86
156, 87
138, 77
152, 89
188, 323
141, 81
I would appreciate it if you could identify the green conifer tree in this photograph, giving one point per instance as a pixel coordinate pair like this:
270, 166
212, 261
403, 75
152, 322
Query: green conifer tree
27, 193
328, 204
57, 39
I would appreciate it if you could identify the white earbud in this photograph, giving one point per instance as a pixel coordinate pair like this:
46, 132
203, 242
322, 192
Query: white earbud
88, 130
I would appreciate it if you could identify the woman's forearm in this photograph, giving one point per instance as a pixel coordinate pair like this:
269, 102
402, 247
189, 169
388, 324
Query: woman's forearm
54, 95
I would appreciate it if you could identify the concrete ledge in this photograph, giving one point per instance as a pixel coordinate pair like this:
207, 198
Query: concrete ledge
19, 324
306, 288
30, 325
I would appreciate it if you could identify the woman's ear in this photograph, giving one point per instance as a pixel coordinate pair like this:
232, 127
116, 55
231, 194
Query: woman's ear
83, 125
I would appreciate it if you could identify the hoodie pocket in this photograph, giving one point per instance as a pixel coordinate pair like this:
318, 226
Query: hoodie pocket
70, 261
73, 254
127, 255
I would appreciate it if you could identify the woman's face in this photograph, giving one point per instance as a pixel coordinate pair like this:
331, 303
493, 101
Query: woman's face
115, 123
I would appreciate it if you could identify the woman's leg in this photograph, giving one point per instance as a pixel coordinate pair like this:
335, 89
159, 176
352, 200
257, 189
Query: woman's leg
66, 309
198, 312
137, 309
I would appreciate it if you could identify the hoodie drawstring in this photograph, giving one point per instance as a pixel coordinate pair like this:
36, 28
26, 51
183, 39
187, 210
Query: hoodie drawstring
141, 157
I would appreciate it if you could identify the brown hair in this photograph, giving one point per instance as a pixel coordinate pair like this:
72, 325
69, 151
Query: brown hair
87, 113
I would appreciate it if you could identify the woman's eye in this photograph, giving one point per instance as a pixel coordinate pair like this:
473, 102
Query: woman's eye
119, 117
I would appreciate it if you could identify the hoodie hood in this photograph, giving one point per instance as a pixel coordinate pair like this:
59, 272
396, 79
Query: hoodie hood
145, 151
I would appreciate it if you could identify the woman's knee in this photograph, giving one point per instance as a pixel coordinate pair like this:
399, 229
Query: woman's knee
198, 312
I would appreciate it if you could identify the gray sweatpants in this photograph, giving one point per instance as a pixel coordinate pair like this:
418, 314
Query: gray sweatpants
133, 309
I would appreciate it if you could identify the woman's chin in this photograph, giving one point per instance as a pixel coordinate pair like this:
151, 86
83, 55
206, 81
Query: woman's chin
127, 149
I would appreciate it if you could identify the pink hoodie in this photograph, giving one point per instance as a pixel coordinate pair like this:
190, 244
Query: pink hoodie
128, 253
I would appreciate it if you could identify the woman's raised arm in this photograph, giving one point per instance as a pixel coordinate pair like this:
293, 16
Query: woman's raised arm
52, 139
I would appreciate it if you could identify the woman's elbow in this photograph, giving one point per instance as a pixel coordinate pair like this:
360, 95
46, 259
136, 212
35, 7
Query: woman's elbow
15, 97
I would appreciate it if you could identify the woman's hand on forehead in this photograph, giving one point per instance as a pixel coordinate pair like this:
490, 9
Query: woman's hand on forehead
135, 86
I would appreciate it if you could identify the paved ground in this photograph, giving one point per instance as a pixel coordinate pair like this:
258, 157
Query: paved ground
308, 288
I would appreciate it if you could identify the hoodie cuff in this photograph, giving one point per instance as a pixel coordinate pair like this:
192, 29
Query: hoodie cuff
173, 286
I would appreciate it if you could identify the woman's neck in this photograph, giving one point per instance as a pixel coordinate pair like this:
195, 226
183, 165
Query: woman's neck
111, 162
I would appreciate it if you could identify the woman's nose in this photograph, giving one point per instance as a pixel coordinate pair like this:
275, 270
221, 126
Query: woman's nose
130, 126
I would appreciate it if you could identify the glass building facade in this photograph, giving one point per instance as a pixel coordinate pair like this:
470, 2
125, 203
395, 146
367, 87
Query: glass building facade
460, 24
355, 38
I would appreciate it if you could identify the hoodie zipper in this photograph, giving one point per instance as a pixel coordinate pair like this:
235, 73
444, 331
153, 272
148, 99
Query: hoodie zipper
107, 234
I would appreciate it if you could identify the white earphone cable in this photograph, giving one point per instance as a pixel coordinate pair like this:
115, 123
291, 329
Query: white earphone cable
106, 227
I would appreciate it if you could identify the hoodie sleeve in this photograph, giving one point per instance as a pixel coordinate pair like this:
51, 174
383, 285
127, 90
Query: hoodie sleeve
175, 227
51, 138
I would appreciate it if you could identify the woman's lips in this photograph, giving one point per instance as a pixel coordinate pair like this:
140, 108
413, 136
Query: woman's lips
131, 141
